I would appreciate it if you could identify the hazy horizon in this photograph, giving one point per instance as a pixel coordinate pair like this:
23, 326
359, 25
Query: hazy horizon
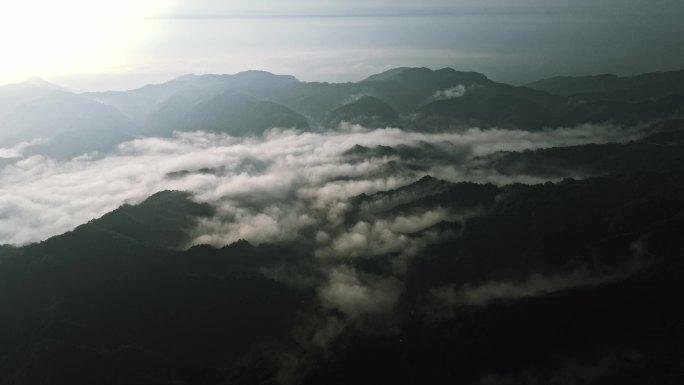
171, 77
120, 46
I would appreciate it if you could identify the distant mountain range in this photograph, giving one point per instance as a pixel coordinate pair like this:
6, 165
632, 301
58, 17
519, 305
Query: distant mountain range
248, 103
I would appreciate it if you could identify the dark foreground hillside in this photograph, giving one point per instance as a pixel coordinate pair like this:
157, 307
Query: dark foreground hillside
575, 282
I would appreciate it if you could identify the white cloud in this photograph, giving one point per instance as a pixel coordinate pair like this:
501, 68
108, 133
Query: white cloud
443, 301
17, 150
456, 92
301, 174
359, 295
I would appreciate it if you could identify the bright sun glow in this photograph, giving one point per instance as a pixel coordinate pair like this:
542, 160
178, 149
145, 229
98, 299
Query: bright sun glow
47, 37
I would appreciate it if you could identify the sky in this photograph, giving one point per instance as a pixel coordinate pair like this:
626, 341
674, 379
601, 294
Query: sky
97, 45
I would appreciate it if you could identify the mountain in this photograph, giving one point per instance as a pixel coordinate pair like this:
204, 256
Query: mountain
553, 266
421, 156
239, 115
138, 103
109, 302
13, 95
389, 96
659, 152
626, 112
490, 109
251, 102
139, 318
658, 149
67, 124
574, 270
419, 99
162, 220
367, 111
643, 87
407, 88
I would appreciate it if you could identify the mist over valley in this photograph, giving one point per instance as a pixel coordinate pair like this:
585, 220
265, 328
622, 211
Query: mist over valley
424, 224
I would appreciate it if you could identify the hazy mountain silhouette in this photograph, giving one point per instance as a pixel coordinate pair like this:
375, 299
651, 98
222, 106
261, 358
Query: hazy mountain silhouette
403, 89
13, 95
68, 124
610, 87
230, 113
368, 111
248, 103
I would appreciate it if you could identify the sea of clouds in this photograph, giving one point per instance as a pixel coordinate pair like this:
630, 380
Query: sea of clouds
264, 188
